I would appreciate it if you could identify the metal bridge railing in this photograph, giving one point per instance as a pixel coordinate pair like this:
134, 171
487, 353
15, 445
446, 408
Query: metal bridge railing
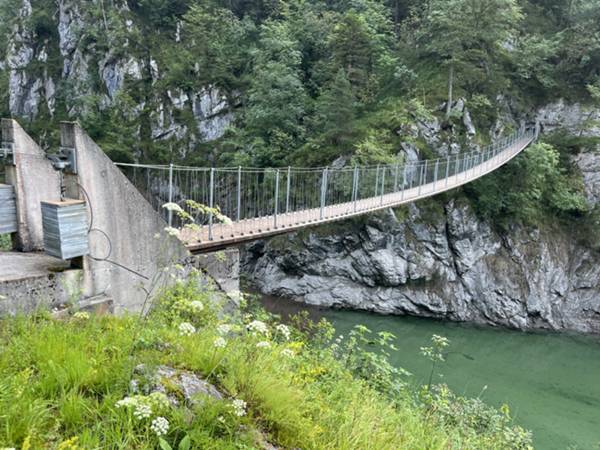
264, 199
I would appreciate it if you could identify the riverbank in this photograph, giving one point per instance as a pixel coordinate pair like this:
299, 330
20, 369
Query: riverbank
550, 380
190, 375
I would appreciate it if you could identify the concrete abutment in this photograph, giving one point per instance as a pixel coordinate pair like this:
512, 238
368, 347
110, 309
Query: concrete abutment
129, 247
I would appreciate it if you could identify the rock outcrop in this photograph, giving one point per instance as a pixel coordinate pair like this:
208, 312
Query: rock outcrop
446, 264
86, 70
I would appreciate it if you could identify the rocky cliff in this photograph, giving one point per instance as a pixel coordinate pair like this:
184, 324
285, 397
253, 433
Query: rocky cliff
441, 261
84, 58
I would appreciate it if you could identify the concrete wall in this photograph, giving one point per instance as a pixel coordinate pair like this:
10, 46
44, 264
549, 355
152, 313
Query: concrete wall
30, 281
129, 248
128, 244
34, 180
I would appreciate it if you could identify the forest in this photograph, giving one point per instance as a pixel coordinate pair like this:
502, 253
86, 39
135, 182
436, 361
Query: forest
309, 82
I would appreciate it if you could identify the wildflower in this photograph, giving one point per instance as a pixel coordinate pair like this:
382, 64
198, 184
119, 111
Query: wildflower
171, 231
256, 326
220, 342
126, 402
172, 207
142, 412
186, 329
288, 353
197, 305
159, 400
160, 426
223, 329
284, 330
263, 344
81, 315
239, 407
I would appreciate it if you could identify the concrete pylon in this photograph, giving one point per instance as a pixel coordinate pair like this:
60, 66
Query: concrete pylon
129, 247
34, 181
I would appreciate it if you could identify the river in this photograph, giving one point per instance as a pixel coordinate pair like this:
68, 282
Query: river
550, 381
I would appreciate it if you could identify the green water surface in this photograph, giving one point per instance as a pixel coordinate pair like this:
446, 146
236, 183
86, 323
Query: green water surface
550, 381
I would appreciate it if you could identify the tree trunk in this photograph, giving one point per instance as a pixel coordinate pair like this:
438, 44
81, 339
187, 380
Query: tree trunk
450, 85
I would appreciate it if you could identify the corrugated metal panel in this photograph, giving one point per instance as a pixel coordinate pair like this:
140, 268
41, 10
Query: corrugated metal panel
65, 228
8, 209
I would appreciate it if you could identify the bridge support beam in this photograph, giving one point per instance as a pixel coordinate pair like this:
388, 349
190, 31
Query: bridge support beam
34, 180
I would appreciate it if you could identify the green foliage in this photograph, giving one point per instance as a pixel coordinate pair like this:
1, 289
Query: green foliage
5, 242
528, 187
479, 421
66, 384
309, 81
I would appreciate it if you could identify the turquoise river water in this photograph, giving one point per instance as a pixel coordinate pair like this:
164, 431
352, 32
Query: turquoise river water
550, 381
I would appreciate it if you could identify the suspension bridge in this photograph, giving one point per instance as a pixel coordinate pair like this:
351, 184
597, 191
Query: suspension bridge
95, 221
251, 203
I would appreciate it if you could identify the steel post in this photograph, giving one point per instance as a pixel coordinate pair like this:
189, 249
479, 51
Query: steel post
403, 181
170, 194
287, 191
382, 186
239, 193
356, 173
323, 191
276, 199
211, 203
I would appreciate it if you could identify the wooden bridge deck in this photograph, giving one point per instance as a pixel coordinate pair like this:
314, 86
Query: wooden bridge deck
224, 235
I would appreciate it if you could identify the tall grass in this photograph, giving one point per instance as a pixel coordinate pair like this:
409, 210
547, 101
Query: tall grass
60, 381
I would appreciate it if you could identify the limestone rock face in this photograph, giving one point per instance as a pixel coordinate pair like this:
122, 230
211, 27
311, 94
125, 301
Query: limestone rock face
88, 70
445, 264
589, 165
577, 118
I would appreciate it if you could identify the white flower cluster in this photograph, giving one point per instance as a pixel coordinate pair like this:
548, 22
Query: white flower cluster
263, 344
289, 353
142, 412
284, 330
160, 426
171, 231
145, 406
197, 305
81, 315
141, 408
223, 329
173, 207
219, 342
256, 326
186, 329
127, 401
239, 407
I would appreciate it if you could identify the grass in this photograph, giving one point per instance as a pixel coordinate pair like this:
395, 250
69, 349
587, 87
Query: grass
60, 381
5, 243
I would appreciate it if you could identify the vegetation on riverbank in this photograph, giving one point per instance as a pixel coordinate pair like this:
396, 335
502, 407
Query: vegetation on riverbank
67, 384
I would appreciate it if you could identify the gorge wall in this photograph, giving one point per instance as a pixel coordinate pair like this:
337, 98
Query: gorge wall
442, 261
